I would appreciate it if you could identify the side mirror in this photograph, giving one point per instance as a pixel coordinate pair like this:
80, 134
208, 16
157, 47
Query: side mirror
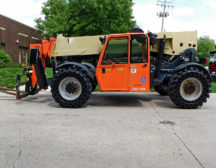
153, 38
102, 40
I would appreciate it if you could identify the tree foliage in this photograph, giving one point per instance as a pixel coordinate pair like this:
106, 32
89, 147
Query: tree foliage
205, 46
85, 17
55, 18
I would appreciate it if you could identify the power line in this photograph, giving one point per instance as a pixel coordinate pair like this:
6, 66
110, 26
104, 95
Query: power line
164, 4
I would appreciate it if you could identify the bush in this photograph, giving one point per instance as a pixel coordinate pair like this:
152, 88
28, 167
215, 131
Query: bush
10, 65
8, 76
6, 61
5, 58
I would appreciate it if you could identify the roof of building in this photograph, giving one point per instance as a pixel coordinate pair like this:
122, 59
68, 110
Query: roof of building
17, 21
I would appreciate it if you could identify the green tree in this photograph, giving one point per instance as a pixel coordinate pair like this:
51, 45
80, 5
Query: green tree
85, 17
205, 46
56, 17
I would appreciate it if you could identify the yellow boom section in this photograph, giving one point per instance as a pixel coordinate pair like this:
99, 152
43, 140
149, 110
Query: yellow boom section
176, 43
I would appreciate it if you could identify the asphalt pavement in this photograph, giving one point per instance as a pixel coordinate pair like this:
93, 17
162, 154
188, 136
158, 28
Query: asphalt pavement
113, 130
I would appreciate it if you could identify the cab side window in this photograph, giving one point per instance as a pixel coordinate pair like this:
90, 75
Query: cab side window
139, 49
116, 52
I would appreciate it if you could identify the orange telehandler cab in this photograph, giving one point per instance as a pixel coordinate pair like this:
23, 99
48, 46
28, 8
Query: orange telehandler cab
125, 63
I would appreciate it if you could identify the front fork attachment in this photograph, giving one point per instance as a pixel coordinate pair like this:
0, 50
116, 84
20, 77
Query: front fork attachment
29, 90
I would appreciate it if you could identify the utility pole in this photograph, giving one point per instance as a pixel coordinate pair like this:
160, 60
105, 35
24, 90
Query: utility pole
164, 4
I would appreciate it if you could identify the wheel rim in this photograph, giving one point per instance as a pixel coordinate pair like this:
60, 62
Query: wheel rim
70, 88
191, 89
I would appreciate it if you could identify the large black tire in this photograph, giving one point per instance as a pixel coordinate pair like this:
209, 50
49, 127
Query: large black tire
92, 70
186, 94
84, 86
162, 89
94, 86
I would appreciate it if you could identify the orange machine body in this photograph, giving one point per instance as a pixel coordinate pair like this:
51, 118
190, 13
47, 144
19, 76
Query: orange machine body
125, 77
45, 50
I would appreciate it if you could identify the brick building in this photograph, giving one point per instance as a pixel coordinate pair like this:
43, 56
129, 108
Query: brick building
15, 38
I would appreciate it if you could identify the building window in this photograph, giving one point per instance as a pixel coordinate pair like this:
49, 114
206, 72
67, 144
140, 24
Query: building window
2, 46
23, 55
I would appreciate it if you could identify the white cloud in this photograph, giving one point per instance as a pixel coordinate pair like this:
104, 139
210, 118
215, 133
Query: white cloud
184, 11
180, 19
24, 11
212, 4
146, 16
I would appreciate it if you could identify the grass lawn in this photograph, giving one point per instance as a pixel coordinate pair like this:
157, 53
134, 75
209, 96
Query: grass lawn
97, 89
8, 77
214, 87
49, 72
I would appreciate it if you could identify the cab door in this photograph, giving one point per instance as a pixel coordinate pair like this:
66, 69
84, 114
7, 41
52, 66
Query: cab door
139, 64
113, 67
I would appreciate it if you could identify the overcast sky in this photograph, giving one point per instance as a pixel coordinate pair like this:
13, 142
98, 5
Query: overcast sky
187, 15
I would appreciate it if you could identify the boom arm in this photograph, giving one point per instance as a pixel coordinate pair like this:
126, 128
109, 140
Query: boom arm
45, 50
175, 44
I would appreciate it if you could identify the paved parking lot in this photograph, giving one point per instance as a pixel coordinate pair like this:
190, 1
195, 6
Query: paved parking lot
112, 130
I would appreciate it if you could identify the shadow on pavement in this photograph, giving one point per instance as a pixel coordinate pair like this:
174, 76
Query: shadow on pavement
129, 100
99, 99
118, 100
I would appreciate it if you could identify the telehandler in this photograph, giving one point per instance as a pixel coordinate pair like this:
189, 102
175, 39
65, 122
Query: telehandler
127, 62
